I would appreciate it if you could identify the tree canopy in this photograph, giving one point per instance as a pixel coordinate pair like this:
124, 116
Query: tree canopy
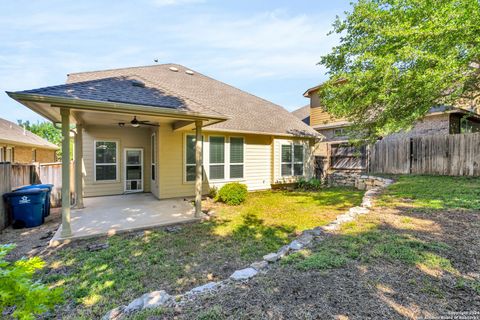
398, 58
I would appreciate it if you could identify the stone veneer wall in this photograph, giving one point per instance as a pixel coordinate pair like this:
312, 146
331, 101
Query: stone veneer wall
357, 180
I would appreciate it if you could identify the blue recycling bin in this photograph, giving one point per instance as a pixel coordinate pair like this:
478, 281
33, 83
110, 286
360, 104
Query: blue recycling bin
27, 207
46, 211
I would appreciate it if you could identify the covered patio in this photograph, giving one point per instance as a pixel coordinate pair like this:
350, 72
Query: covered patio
102, 114
122, 213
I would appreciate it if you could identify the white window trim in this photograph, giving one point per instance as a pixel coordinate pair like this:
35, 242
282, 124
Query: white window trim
153, 157
12, 154
224, 164
184, 167
292, 162
298, 162
125, 165
117, 161
235, 163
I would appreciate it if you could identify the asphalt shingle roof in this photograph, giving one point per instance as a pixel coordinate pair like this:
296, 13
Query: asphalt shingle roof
247, 113
303, 114
13, 133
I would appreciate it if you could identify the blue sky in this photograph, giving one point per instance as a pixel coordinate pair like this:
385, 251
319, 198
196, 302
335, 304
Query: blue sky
268, 48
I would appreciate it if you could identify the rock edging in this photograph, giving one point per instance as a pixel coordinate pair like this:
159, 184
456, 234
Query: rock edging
160, 298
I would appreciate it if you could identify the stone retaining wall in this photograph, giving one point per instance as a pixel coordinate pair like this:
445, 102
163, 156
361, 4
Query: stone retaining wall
357, 180
307, 238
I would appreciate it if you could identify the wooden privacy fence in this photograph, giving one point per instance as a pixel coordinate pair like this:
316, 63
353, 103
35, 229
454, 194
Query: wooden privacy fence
13, 176
453, 155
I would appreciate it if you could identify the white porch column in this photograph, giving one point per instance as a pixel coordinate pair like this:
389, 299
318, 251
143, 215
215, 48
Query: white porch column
78, 167
66, 227
198, 168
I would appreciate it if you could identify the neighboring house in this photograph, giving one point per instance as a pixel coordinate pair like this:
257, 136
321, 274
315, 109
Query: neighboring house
18, 145
138, 129
439, 120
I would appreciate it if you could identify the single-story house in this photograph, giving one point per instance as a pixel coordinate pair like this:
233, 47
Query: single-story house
170, 131
18, 145
439, 120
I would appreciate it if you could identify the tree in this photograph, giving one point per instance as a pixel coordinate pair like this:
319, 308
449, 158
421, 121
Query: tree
398, 58
20, 292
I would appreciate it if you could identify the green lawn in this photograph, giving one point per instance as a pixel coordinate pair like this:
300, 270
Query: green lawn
411, 227
433, 192
133, 264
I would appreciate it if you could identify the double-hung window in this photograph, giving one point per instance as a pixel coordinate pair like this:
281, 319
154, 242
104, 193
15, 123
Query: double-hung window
292, 160
236, 158
153, 149
217, 158
190, 158
106, 160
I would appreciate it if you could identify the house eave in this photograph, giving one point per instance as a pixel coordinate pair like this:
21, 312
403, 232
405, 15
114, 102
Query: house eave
106, 106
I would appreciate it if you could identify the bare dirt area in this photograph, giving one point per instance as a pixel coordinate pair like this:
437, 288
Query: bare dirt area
34, 241
392, 284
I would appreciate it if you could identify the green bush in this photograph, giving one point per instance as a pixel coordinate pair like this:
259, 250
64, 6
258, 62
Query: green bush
212, 192
233, 193
19, 291
309, 185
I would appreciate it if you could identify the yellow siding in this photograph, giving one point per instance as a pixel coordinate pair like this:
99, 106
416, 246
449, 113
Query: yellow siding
261, 160
257, 167
318, 116
127, 138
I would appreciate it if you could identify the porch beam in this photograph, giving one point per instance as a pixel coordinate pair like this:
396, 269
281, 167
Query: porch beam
177, 125
78, 167
66, 227
198, 168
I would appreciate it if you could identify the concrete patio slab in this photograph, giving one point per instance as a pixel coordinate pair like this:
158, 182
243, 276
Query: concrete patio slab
116, 214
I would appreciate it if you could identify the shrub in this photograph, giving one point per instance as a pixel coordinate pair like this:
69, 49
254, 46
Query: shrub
309, 185
19, 291
233, 193
212, 192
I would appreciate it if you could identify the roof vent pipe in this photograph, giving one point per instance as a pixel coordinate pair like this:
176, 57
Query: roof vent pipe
173, 69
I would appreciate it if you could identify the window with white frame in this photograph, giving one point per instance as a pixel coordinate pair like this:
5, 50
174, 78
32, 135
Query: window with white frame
292, 160
153, 149
106, 160
190, 158
217, 158
236, 158
9, 154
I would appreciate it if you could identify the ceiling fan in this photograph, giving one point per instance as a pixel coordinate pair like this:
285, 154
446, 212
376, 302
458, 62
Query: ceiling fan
137, 123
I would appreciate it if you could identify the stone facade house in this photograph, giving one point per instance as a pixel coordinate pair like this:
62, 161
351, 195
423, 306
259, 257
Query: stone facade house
18, 145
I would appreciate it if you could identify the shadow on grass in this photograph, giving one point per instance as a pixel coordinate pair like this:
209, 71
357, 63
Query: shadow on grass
133, 264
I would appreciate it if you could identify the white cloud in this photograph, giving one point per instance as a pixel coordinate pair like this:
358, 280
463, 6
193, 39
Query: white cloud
271, 44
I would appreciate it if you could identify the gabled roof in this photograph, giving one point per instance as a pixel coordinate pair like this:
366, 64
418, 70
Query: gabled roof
303, 113
246, 112
11, 133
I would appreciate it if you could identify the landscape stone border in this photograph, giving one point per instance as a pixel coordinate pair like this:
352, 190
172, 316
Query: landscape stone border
155, 299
